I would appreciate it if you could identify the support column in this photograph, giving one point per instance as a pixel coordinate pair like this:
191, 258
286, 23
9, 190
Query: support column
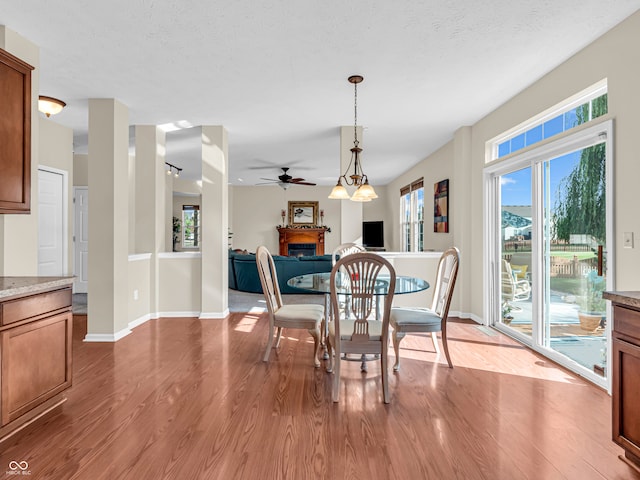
459, 226
150, 218
350, 212
215, 221
109, 220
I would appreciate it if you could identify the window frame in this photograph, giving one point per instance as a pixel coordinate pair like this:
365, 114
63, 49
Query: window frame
195, 211
583, 97
412, 216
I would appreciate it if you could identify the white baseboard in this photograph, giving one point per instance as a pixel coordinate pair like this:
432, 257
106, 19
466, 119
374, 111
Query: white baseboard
214, 315
107, 337
470, 316
177, 314
139, 321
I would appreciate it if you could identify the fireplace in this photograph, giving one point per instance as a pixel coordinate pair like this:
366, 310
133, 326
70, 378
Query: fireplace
307, 237
301, 249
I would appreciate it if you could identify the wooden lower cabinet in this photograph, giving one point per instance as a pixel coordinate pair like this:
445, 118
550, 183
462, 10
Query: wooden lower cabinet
35, 357
626, 382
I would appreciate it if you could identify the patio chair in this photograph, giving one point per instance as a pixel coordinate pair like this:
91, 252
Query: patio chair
513, 290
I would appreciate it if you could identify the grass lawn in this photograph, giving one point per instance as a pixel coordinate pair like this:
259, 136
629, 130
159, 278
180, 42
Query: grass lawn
567, 285
570, 255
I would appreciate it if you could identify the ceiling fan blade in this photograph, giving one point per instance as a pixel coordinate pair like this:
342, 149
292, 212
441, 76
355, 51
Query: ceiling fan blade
296, 180
270, 179
304, 183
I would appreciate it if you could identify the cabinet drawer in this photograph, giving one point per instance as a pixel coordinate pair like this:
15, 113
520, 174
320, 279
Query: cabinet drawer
626, 321
27, 307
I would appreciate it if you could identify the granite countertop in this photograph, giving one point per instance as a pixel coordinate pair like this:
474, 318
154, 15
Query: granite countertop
630, 299
19, 286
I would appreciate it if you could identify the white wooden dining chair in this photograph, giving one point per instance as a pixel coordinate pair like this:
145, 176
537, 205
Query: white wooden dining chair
345, 249
307, 316
431, 320
362, 333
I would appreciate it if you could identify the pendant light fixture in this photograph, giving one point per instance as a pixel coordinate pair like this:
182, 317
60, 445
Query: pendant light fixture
365, 192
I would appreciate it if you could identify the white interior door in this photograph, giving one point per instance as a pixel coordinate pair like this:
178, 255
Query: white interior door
81, 239
52, 223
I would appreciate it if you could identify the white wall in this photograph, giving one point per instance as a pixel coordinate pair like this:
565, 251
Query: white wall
139, 281
438, 166
80, 170
256, 214
181, 284
19, 253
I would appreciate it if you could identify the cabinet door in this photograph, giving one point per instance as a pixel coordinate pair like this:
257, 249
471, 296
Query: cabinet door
15, 134
626, 385
36, 363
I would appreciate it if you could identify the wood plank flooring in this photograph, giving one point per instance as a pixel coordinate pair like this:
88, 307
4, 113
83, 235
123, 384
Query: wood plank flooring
185, 398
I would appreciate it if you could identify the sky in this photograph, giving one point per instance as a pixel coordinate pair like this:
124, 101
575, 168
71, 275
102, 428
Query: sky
516, 186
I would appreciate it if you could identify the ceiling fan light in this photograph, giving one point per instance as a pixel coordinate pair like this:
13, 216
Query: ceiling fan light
49, 105
284, 185
339, 192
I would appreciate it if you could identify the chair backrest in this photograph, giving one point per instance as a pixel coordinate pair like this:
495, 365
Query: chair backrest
508, 282
361, 272
268, 279
445, 281
512, 288
345, 249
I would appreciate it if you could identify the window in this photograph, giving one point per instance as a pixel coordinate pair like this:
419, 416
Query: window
412, 216
582, 108
190, 226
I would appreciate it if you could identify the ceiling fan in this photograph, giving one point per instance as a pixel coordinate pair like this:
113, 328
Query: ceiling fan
285, 180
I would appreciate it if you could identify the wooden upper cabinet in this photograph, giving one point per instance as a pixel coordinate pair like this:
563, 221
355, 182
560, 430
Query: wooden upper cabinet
15, 134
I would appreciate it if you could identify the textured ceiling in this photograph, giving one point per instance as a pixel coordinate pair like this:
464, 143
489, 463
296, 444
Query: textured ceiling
274, 73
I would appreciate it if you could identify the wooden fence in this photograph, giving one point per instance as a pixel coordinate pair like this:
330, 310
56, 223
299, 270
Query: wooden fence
566, 267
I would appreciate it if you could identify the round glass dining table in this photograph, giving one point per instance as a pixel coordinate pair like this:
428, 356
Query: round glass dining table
320, 283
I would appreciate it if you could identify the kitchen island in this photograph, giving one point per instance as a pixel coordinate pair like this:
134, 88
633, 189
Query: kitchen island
35, 348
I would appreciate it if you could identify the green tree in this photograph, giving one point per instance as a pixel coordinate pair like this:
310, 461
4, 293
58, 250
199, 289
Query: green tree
580, 203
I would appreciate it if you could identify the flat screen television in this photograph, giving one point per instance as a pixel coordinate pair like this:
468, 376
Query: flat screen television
373, 234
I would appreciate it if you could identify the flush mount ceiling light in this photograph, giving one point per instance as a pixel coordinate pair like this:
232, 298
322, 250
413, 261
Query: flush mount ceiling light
171, 169
49, 105
365, 192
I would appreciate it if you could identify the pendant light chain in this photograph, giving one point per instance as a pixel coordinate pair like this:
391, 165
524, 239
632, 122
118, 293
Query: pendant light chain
355, 114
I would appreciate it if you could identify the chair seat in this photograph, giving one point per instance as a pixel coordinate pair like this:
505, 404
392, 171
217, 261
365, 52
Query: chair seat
346, 330
299, 315
418, 319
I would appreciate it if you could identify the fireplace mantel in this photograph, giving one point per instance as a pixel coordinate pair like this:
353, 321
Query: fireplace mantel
301, 235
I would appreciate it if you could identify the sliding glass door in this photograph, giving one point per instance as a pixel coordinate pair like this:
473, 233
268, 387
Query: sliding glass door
574, 256
552, 207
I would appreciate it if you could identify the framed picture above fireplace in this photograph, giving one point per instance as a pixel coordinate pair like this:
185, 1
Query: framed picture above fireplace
303, 213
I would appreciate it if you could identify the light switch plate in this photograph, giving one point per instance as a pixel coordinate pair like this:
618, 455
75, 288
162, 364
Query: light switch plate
627, 239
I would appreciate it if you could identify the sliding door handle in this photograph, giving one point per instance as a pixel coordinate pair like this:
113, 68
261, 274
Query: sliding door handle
599, 260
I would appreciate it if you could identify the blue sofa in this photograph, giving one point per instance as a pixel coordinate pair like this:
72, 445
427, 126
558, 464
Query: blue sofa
243, 272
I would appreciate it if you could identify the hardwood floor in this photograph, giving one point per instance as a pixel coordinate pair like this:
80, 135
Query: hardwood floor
191, 399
